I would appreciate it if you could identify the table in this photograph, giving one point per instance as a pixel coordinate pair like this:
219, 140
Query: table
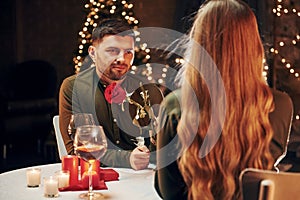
132, 185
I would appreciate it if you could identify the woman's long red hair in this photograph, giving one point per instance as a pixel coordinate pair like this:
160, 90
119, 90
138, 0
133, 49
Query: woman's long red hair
227, 30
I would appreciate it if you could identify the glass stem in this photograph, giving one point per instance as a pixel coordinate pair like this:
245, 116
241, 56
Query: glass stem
90, 193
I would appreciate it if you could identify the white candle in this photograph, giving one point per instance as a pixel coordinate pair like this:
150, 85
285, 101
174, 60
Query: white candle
63, 177
33, 176
51, 187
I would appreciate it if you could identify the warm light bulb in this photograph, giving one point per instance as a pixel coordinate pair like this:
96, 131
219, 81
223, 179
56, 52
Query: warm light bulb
265, 74
281, 44
266, 67
133, 67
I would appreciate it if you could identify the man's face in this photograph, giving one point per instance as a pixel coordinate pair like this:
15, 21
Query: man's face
113, 56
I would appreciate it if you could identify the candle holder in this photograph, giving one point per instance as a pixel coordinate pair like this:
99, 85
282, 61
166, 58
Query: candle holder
63, 177
70, 163
51, 187
33, 176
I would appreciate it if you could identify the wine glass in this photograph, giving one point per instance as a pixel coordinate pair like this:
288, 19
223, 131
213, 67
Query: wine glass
90, 144
79, 119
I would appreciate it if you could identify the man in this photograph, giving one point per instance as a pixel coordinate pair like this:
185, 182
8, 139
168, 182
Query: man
112, 52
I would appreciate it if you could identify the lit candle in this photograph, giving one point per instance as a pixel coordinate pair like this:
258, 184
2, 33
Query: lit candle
51, 187
63, 177
33, 176
84, 166
70, 163
85, 179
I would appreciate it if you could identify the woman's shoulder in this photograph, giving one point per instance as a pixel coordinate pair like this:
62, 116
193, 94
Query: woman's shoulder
282, 100
172, 101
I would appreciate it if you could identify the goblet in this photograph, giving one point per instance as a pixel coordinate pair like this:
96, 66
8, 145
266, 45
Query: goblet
79, 119
90, 144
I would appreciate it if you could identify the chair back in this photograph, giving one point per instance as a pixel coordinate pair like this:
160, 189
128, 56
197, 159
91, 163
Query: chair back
62, 151
269, 185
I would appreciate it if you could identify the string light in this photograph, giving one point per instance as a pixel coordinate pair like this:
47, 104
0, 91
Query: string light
279, 11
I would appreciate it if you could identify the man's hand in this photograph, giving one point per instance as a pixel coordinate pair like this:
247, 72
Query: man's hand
139, 158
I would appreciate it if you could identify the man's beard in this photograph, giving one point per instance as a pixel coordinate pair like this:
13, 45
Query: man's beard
115, 75
112, 75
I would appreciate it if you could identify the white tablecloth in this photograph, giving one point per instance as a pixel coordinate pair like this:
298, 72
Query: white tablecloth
132, 185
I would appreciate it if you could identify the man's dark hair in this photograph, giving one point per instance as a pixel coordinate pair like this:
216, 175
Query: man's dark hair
111, 26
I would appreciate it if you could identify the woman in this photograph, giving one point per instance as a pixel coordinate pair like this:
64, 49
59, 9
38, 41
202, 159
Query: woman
227, 110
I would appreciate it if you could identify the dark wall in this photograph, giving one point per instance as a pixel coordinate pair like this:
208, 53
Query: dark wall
38, 29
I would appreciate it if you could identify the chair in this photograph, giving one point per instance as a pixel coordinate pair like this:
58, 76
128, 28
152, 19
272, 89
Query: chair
269, 185
62, 151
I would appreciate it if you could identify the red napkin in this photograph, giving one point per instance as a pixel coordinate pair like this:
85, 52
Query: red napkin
108, 175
